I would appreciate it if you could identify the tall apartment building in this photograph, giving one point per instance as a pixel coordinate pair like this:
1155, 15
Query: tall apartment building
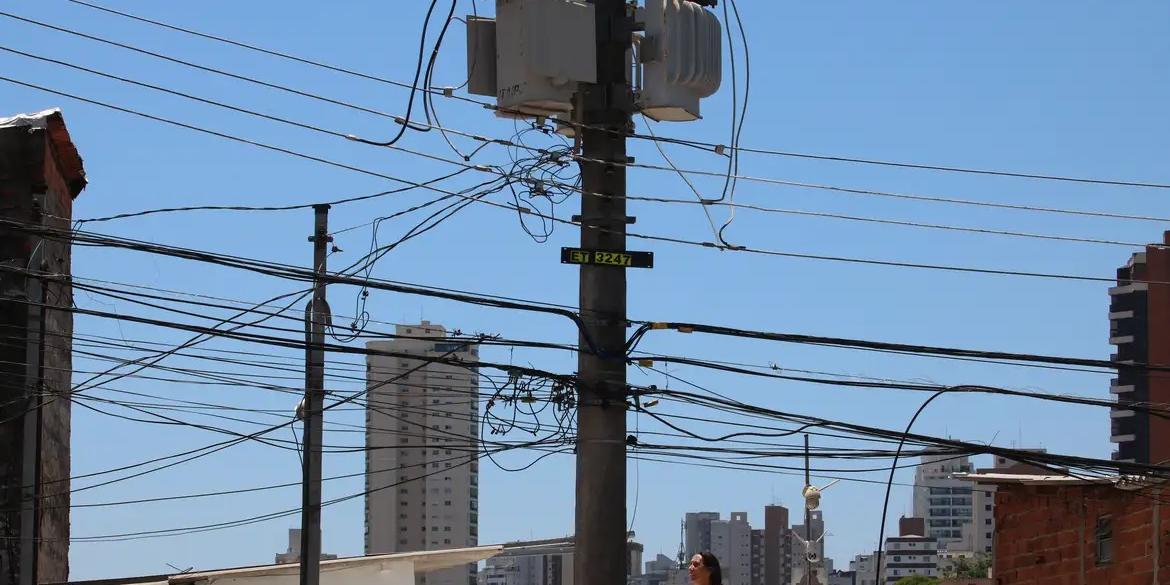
777, 546
747, 556
731, 542
955, 514
697, 526
422, 427
910, 555
865, 570
758, 560
813, 532
1139, 326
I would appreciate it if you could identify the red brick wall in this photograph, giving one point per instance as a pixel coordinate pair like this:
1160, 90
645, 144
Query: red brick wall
1046, 536
28, 168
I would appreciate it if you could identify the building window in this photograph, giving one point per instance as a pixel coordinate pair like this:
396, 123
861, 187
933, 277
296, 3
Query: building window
987, 521
1104, 534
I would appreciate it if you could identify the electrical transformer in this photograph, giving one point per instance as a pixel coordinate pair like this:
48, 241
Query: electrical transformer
681, 59
539, 50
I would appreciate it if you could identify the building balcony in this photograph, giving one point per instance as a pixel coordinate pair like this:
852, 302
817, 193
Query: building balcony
1128, 288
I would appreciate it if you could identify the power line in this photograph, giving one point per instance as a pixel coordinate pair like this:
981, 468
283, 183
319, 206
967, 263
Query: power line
685, 142
646, 327
674, 168
673, 240
886, 345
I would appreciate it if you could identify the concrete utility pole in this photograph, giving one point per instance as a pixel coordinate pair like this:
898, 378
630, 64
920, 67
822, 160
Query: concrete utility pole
316, 315
604, 109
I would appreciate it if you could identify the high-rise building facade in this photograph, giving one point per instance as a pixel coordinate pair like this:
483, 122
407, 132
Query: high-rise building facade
907, 556
747, 556
697, 527
777, 546
731, 542
955, 514
806, 538
1139, 327
758, 561
422, 431
865, 570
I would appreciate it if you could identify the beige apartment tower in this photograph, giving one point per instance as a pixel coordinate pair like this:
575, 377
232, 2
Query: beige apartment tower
422, 436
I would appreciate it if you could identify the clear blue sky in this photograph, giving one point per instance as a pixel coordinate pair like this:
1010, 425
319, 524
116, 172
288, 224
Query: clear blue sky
1073, 88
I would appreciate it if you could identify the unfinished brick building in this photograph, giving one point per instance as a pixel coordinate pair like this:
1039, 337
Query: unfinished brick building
40, 175
1057, 530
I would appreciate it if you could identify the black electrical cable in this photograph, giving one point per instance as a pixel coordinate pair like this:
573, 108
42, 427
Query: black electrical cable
414, 86
520, 209
708, 147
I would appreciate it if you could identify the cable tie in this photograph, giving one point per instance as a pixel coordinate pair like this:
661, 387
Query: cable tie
660, 325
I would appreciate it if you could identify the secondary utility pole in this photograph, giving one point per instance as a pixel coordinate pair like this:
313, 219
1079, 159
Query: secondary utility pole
314, 403
808, 566
604, 109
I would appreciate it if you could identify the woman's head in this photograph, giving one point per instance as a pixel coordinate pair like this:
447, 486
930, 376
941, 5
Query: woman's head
704, 570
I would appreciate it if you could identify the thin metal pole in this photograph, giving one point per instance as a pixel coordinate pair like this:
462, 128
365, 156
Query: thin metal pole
807, 516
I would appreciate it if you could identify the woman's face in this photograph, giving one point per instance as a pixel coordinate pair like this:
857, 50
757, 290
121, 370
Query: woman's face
698, 572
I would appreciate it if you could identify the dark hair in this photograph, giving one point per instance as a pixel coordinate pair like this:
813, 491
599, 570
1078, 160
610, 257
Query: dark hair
712, 565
